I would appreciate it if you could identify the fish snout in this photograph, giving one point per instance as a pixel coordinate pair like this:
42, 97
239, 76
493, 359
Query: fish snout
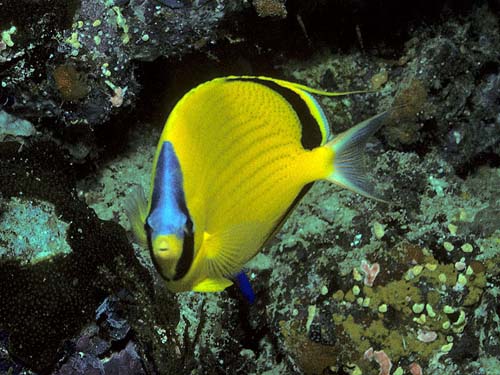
167, 250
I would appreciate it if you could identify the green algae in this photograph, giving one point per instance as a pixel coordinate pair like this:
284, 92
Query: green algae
121, 22
7, 36
413, 314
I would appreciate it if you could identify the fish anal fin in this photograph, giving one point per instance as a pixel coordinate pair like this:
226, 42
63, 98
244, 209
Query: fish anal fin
212, 285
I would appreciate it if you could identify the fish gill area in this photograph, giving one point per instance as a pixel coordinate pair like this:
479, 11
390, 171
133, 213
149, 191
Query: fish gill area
348, 285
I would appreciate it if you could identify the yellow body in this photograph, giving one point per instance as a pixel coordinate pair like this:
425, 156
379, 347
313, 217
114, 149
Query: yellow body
243, 164
237, 147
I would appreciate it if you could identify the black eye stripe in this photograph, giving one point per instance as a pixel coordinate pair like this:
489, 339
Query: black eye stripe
186, 259
187, 255
168, 182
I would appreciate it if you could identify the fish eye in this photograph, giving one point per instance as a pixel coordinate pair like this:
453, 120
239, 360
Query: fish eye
188, 227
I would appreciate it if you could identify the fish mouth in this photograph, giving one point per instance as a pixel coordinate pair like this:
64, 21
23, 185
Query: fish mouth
151, 253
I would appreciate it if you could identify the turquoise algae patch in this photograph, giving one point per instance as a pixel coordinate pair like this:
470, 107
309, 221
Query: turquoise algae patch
30, 231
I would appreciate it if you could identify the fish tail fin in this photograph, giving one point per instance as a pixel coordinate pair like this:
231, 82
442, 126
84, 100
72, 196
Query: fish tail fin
348, 157
136, 209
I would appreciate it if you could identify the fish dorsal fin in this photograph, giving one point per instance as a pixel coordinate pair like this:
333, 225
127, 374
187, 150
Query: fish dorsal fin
316, 111
227, 251
293, 85
304, 93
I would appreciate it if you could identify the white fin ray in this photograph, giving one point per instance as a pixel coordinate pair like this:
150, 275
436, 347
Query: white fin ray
227, 252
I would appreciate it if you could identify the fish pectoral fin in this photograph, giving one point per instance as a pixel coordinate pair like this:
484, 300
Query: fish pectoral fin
136, 209
212, 285
228, 250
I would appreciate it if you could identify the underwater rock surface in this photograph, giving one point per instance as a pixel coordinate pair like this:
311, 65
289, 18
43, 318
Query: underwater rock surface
48, 301
43, 302
72, 63
348, 285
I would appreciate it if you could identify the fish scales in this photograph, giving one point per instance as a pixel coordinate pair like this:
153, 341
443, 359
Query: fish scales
239, 145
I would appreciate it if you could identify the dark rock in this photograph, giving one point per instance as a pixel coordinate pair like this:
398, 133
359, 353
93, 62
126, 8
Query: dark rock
85, 364
125, 362
42, 305
107, 315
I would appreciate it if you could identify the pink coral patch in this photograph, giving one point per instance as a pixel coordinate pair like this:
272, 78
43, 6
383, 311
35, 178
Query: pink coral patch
383, 361
381, 358
370, 271
369, 354
415, 369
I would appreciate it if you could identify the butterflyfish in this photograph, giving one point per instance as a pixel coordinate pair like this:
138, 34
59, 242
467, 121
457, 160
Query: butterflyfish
234, 158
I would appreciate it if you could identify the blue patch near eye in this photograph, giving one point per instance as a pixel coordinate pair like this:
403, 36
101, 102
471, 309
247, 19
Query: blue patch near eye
169, 212
246, 289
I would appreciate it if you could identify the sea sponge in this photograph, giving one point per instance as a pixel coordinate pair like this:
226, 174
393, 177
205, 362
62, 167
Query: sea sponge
270, 8
70, 83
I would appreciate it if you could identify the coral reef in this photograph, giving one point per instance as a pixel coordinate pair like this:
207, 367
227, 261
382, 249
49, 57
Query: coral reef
69, 83
424, 304
48, 72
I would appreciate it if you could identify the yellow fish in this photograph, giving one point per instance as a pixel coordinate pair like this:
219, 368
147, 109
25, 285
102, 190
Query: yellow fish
234, 158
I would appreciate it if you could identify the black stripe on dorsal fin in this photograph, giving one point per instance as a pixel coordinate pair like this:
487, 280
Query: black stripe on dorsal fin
311, 133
